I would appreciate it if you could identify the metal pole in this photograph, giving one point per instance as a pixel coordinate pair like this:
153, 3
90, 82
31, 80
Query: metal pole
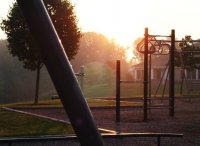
82, 74
61, 72
145, 74
171, 75
149, 79
118, 91
158, 141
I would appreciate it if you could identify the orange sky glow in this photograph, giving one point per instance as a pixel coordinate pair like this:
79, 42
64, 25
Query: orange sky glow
125, 20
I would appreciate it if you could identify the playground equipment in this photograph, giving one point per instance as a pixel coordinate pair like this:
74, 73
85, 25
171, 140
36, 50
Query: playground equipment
155, 45
65, 81
148, 46
80, 77
118, 88
61, 72
191, 52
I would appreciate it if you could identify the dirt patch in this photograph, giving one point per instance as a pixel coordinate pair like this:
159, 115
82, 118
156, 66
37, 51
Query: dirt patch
186, 121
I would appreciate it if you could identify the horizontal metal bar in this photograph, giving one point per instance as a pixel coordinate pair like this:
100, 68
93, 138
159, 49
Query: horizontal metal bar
158, 107
159, 36
126, 135
157, 98
190, 51
74, 137
180, 41
129, 81
170, 40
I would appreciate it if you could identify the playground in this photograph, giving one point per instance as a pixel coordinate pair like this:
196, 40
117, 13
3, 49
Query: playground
186, 121
172, 121
144, 120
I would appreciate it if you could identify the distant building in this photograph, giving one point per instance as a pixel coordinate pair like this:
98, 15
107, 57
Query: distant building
158, 66
159, 69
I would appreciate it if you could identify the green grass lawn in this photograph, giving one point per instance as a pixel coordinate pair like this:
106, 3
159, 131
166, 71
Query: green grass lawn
92, 102
130, 90
14, 124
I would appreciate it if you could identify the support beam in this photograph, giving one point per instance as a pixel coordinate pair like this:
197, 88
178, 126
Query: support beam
118, 91
145, 74
171, 74
61, 72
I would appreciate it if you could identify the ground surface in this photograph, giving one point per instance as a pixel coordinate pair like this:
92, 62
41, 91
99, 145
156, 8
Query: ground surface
186, 121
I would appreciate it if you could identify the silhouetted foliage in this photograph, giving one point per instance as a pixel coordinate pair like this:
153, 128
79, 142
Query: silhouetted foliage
22, 44
16, 83
20, 40
95, 47
188, 57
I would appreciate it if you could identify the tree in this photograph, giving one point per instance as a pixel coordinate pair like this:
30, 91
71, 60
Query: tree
95, 47
22, 44
188, 56
139, 56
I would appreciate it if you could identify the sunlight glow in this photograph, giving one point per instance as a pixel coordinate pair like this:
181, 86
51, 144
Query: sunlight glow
4, 7
125, 20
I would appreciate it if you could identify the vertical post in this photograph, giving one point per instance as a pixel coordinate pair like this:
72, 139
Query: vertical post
158, 141
145, 73
82, 74
61, 72
171, 75
37, 83
149, 101
118, 91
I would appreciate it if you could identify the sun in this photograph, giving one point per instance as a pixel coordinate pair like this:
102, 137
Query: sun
117, 20
129, 55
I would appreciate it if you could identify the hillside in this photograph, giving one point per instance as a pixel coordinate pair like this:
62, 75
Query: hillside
96, 53
17, 83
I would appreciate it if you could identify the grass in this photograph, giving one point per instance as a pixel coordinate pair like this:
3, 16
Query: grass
100, 90
92, 102
131, 90
103, 90
41, 104
14, 124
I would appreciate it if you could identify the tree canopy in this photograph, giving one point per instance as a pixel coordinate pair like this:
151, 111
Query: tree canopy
21, 42
188, 57
95, 47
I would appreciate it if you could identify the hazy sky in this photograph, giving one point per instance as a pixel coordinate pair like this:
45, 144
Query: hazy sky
125, 20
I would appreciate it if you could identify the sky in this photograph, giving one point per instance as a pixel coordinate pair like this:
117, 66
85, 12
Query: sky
125, 20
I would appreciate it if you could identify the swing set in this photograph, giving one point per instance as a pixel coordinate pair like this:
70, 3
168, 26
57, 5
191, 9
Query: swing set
158, 45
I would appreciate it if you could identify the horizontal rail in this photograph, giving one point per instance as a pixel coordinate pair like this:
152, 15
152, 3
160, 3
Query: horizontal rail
126, 135
130, 81
10, 141
159, 107
159, 98
159, 36
180, 41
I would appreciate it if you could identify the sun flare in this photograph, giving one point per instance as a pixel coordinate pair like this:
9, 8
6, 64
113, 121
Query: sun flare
125, 20
115, 19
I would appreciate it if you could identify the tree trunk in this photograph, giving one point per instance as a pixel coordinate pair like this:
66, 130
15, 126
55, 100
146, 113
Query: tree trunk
37, 83
182, 79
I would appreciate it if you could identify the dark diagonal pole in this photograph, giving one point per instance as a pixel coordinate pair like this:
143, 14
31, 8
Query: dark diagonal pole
61, 72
